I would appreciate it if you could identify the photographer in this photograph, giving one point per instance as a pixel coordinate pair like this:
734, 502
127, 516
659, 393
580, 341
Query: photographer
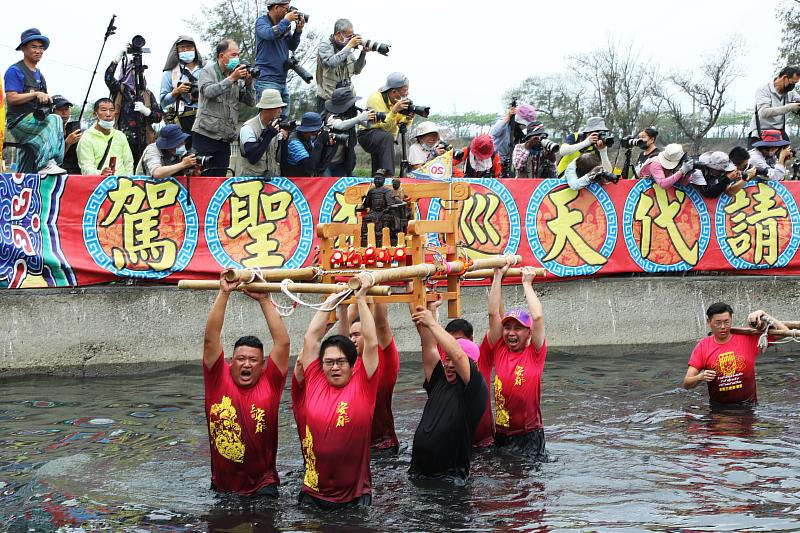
167, 156
336, 64
592, 137
774, 101
532, 158
589, 168
259, 139
179, 90
342, 116
136, 107
28, 109
104, 150
72, 134
671, 166
769, 156
648, 135
426, 146
378, 138
303, 153
274, 39
507, 133
223, 84
479, 159
720, 174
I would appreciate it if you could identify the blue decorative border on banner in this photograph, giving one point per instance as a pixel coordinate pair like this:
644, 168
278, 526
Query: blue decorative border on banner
298, 200
329, 200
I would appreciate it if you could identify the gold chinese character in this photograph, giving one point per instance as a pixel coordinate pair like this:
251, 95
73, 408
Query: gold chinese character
668, 212
475, 221
255, 212
140, 224
519, 375
341, 410
563, 227
763, 220
257, 414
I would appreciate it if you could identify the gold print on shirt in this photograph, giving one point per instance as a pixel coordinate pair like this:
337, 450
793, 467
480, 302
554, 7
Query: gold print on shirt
727, 363
226, 433
501, 415
341, 410
519, 375
730, 368
311, 478
257, 414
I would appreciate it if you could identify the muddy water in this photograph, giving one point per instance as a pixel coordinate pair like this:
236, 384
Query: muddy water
633, 450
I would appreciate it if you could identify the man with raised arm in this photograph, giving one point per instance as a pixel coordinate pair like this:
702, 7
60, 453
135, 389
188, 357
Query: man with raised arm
333, 398
725, 360
457, 396
515, 346
242, 399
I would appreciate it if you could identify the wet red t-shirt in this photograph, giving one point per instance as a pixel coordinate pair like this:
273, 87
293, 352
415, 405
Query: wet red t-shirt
335, 426
517, 390
735, 365
383, 434
242, 427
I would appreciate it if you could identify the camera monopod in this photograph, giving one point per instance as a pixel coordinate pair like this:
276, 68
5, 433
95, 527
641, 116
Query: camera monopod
109, 32
404, 160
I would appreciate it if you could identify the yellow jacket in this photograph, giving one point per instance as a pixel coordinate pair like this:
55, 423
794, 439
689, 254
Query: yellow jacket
375, 102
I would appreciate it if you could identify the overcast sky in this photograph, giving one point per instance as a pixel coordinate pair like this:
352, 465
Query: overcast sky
459, 55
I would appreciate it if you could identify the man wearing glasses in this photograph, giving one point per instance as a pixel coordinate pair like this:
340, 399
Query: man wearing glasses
336, 63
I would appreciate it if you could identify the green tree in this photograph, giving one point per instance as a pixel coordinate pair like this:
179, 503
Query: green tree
788, 13
464, 125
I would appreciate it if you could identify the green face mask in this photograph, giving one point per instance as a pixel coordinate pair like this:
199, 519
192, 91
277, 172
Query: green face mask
233, 63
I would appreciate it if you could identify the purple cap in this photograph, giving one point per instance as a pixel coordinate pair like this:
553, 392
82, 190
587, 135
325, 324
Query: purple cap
470, 348
520, 315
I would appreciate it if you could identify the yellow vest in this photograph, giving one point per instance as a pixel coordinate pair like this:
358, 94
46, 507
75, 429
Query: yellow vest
564, 162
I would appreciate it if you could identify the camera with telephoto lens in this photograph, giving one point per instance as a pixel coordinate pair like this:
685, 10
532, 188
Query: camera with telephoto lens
605, 177
136, 48
255, 72
203, 161
299, 13
550, 146
422, 111
632, 141
380, 116
293, 64
606, 137
338, 137
40, 110
375, 46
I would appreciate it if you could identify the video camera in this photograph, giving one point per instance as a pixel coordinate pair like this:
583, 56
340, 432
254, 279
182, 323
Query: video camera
633, 141
422, 111
293, 9
136, 48
375, 46
293, 64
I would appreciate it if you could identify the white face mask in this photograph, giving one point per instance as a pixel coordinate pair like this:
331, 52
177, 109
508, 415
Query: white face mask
105, 124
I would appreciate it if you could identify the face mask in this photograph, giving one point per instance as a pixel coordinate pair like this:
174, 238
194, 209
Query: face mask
788, 88
180, 151
186, 57
106, 124
232, 63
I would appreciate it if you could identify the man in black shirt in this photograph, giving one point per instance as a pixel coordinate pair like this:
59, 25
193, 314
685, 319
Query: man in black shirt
457, 395
72, 134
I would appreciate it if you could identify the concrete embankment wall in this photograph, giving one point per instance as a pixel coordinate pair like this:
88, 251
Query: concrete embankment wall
107, 330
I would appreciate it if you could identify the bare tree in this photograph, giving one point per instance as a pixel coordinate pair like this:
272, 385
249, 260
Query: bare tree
706, 94
788, 13
559, 100
620, 83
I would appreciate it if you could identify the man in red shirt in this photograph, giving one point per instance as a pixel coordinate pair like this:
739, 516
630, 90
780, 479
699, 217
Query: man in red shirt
242, 400
383, 433
515, 347
725, 360
333, 398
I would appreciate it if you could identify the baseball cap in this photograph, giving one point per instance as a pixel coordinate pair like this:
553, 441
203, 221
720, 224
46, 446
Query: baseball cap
520, 315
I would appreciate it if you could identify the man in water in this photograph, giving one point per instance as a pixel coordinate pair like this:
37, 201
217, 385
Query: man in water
457, 396
725, 360
515, 346
242, 400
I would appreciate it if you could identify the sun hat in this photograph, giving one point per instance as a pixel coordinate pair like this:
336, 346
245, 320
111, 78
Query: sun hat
717, 161
594, 124
340, 101
270, 99
771, 138
33, 34
171, 136
526, 114
426, 127
482, 146
520, 315
310, 122
671, 156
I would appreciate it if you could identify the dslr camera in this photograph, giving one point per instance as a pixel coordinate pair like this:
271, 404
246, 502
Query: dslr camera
299, 13
338, 137
136, 48
550, 146
446, 147
380, 116
633, 141
607, 139
375, 46
255, 72
293, 64
40, 110
422, 111
605, 177
289, 125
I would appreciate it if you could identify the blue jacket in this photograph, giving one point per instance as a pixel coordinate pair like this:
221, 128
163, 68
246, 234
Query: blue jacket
272, 48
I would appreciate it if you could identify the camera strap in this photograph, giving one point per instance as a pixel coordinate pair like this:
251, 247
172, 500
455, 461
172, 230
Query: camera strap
105, 154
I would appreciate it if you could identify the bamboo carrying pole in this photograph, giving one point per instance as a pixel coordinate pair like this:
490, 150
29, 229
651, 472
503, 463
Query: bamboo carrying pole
510, 273
300, 288
777, 333
494, 262
274, 274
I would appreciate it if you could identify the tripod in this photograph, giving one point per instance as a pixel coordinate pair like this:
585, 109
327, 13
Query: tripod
627, 167
109, 32
404, 159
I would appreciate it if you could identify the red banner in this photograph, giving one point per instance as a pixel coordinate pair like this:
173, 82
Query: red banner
78, 230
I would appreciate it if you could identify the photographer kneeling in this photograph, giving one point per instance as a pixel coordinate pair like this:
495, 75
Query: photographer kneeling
167, 156
28, 115
259, 139
769, 155
426, 146
378, 138
223, 84
535, 157
592, 137
303, 153
342, 116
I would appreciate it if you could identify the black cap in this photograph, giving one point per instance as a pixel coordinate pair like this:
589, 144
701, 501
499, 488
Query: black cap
60, 101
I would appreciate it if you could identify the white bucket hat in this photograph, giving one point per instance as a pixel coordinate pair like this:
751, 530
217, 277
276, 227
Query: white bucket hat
670, 157
426, 127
